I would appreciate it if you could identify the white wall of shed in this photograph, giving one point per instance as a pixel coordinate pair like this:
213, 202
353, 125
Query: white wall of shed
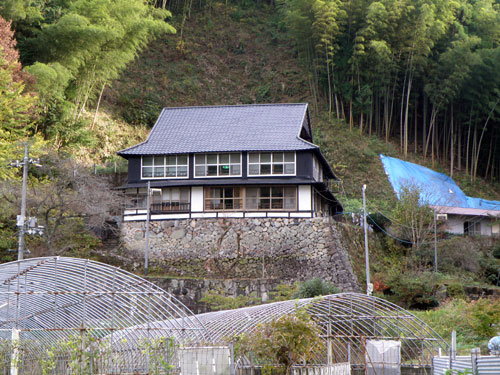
454, 224
485, 226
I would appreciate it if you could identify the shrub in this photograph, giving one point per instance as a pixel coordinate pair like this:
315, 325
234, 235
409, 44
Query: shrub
216, 300
412, 290
455, 255
490, 269
475, 322
287, 341
284, 292
315, 287
485, 317
455, 290
495, 251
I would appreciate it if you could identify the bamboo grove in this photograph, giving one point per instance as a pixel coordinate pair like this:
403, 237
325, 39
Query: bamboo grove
424, 71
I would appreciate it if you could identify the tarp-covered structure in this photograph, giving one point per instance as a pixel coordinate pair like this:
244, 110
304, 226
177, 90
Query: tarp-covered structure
436, 188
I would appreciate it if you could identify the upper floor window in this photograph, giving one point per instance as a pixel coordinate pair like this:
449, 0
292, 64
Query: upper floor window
317, 170
169, 166
271, 163
217, 165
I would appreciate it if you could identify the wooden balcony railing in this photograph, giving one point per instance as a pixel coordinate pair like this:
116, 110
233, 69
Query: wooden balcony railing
170, 207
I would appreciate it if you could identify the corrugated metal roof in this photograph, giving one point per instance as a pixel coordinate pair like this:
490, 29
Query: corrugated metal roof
257, 127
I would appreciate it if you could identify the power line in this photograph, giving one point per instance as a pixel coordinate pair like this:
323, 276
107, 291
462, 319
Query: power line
397, 238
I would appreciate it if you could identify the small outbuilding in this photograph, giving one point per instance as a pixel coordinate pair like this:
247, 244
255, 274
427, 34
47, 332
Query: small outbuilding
459, 213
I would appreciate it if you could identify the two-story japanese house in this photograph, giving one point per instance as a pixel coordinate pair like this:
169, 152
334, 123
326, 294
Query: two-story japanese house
230, 161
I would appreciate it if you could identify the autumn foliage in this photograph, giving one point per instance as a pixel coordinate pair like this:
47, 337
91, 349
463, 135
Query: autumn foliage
9, 52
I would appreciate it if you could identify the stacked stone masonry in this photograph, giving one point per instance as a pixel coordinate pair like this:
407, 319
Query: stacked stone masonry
272, 248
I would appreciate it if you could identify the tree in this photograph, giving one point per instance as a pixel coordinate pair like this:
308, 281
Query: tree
285, 341
73, 206
412, 216
16, 106
74, 49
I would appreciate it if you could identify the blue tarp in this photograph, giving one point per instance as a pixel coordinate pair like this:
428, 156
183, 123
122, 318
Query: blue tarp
435, 188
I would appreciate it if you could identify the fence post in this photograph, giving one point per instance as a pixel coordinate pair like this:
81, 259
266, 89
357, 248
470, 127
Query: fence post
453, 351
474, 355
231, 348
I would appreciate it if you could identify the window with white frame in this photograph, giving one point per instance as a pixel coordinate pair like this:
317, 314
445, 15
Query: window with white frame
169, 166
217, 165
271, 163
271, 198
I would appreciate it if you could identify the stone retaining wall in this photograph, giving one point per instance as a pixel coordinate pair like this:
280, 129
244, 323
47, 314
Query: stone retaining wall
280, 249
190, 291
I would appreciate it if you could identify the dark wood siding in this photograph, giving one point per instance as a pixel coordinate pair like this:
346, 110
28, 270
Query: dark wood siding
134, 169
191, 166
304, 169
304, 164
244, 165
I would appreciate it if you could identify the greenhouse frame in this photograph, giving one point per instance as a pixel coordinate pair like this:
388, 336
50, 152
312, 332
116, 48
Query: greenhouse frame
62, 315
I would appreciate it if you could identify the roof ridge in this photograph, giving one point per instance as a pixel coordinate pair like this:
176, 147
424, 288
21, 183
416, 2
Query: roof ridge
178, 129
236, 105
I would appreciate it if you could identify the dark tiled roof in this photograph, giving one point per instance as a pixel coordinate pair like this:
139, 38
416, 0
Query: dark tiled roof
259, 127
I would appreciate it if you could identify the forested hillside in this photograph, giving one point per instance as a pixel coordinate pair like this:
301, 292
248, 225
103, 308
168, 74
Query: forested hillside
424, 74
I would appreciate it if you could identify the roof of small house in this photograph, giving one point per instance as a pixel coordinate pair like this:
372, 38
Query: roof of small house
256, 127
465, 211
436, 189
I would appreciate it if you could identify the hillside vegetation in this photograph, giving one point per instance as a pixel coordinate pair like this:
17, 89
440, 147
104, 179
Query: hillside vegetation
227, 55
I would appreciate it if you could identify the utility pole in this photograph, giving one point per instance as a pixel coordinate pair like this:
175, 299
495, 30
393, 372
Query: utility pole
369, 286
21, 222
435, 245
148, 215
25, 225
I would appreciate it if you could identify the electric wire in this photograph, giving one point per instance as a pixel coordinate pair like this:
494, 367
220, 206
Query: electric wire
400, 239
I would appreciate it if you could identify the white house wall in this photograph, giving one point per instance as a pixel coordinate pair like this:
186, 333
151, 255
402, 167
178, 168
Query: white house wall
305, 198
455, 225
485, 227
197, 199
495, 229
